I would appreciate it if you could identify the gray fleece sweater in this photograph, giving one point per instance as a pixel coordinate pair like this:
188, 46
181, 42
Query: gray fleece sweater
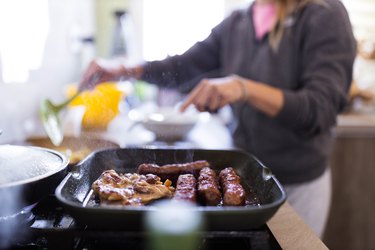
313, 68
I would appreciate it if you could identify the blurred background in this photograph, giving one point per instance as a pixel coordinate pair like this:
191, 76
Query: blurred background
46, 44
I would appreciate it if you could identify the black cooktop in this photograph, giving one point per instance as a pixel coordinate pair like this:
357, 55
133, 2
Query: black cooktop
47, 226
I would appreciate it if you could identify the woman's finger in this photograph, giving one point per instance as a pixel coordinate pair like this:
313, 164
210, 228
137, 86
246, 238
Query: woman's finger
203, 97
191, 97
214, 101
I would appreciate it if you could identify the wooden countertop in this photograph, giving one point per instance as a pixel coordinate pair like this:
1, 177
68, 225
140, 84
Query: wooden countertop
291, 232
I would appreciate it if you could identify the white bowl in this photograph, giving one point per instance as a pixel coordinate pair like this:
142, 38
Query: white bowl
167, 123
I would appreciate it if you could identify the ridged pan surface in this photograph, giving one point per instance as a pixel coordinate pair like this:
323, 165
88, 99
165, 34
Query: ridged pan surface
266, 193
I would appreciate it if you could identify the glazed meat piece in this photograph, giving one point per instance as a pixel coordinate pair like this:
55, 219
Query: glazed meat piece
130, 189
172, 171
186, 188
233, 192
208, 188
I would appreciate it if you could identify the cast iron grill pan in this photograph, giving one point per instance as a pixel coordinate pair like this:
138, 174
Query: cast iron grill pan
75, 193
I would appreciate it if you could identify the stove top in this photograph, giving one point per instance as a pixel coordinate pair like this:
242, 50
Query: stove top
48, 226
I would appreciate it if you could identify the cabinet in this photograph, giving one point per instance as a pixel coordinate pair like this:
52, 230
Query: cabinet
351, 223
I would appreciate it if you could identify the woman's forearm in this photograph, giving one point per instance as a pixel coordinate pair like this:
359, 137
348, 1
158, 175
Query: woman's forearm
264, 97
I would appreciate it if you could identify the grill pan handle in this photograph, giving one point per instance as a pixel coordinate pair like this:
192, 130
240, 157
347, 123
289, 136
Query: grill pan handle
267, 174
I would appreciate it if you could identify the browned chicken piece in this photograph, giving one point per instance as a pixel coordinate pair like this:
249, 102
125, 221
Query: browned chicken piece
130, 189
186, 188
233, 192
208, 188
172, 171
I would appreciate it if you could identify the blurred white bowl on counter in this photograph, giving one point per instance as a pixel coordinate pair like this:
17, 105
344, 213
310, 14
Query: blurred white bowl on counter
167, 123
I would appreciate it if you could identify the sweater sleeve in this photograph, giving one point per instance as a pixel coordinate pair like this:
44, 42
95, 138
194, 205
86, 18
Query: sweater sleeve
328, 50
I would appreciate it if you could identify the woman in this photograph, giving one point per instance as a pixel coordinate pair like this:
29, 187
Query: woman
285, 67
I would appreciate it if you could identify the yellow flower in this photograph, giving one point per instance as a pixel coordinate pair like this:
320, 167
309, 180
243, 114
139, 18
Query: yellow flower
101, 104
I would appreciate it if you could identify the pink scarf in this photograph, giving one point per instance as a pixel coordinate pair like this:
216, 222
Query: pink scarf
264, 17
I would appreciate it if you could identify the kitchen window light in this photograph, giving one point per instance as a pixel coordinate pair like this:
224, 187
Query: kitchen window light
23, 32
167, 32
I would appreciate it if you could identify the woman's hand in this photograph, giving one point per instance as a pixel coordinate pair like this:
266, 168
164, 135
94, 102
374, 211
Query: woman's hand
213, 94
101, 71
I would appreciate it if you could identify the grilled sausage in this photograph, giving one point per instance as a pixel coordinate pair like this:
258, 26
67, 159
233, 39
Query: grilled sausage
172, 171
233, 192
186, 188
208, 189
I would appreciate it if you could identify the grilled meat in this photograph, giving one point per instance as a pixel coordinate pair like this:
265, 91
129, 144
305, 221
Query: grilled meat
172, 171
186, 188
233, 192
130, 189
208, 189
